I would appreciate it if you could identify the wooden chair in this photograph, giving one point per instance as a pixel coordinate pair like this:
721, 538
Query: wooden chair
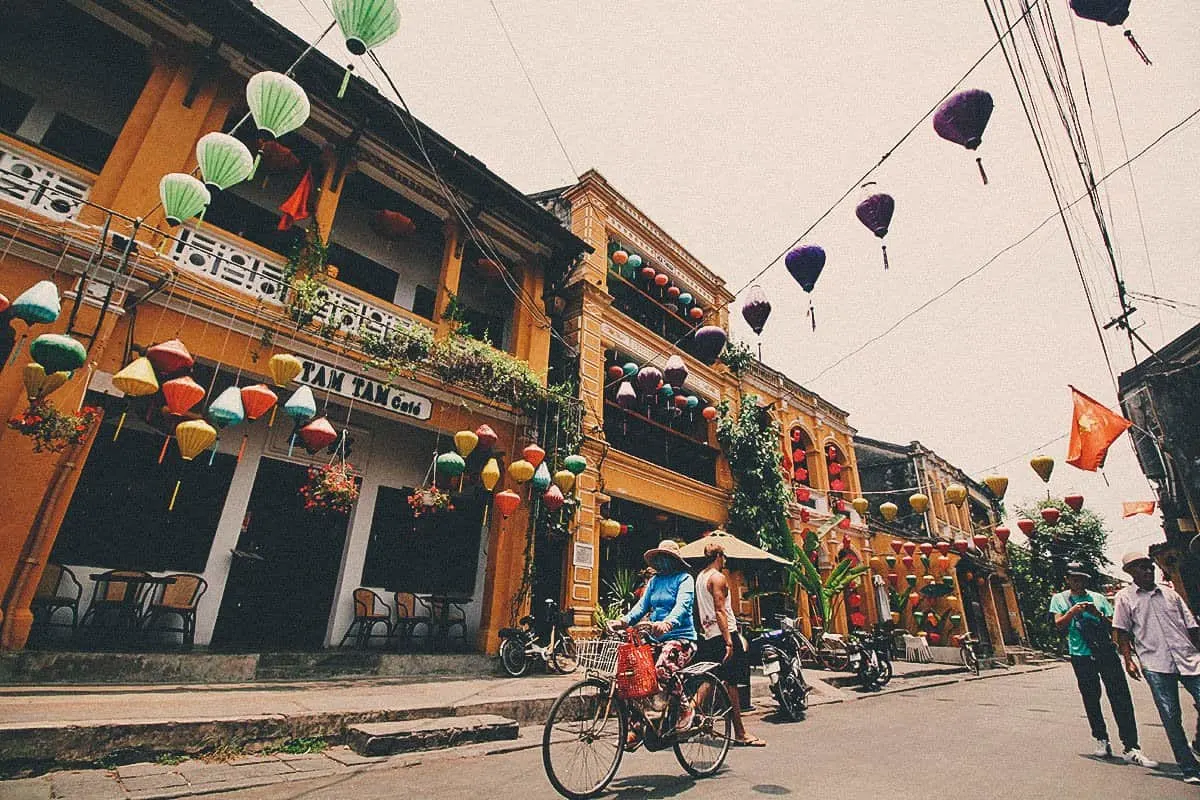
178, 599
58, 589
369, 610
411, 611
116, 604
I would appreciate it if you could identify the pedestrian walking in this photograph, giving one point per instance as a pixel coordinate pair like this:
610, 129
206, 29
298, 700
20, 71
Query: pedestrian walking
719, 638
1085, 616
1154, 621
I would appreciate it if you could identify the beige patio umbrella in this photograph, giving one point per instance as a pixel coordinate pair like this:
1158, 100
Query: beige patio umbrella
735, 549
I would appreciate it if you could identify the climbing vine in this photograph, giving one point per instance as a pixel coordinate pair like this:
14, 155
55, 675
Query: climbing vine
750, 439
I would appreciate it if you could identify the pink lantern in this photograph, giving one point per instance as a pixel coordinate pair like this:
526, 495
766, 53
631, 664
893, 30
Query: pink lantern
1026, 526
1051, 515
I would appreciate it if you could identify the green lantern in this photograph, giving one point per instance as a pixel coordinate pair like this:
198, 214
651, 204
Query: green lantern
366, 23
948, 581
183, 197
919, 617
575, 463
451, 464
891, 561
57, 353
911, 580
277, 103
224, 161
955, 619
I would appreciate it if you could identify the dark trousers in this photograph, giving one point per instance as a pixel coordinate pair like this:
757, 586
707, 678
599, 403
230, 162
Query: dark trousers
1089, 672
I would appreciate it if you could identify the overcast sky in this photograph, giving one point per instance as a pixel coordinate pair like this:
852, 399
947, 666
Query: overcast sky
735, 125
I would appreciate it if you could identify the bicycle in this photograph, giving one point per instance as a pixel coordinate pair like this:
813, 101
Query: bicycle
520, 645
967, 644
816, 653
587, 732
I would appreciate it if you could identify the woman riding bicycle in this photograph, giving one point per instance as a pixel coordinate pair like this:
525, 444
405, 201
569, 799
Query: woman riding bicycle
667, 603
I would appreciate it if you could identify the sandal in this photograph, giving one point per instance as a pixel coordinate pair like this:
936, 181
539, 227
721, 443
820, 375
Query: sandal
749, 741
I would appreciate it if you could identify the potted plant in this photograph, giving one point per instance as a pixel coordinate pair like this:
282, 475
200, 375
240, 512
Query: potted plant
332, 488
430, 500
52, 430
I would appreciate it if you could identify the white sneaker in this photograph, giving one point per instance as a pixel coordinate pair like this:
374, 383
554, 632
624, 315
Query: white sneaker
1136, 756
1192, 779
1103, 749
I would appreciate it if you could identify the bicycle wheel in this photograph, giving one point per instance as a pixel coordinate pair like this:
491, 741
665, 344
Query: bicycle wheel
969, 659
703, 751
835, 662
565, 658
512, 657
584, 738
792, 699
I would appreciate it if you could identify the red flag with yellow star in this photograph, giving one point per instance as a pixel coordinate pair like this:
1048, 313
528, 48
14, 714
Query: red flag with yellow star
1093, 429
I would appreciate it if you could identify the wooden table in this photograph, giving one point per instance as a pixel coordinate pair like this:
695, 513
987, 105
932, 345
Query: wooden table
440, 606
130, 612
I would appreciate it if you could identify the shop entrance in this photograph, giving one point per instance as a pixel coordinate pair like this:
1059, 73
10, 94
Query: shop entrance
285, 567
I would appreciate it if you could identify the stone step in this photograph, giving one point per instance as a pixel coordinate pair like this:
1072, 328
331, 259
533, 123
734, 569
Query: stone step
389, 738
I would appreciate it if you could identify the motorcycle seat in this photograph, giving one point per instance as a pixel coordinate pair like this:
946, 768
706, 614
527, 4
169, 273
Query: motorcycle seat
507, 632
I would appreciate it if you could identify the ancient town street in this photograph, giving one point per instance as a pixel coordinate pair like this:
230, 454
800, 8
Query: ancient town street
1015, 736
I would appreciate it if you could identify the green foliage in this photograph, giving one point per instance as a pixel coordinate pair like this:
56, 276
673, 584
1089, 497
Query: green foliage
738, 357
171, 759
304, 278
751, 440
305, 744
1038, 566
618, 597
825, 590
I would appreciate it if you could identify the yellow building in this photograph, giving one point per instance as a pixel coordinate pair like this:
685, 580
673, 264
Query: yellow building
97, 103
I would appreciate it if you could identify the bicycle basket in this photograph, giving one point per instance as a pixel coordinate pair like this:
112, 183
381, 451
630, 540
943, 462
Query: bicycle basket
598, 656
636, 676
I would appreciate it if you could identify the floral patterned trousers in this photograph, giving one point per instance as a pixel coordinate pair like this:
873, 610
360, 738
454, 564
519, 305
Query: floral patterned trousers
674, 656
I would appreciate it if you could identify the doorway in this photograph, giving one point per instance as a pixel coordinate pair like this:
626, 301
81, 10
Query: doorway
284, 570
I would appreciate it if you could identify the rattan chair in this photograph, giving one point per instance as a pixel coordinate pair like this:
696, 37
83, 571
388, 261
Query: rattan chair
411, 612
116, 604
178, 599
369, 610
449, 621
58, 589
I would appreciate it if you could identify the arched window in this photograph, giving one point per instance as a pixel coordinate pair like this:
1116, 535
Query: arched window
801, 458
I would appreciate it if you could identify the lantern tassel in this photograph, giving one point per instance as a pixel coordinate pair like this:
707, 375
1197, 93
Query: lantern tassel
117, 432
17, 350
174, 494
982, 174
212, 456
812, 314
345, 81
254, 169
486, 510
163, 453
242, 449
885, 261
271, 422
200, 217
291, 445
1138, 48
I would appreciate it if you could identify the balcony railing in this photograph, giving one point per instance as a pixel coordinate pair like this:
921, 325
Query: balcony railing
659, 444
39, 184
649, 312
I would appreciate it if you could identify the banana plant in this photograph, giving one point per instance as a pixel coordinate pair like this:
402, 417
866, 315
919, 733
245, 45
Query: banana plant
804, 576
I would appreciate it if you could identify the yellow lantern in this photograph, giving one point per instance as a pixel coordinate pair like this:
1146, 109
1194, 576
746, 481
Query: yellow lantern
136, 379
998, 484
465, 442
1043, 466
38, 384
919, 503
609, 529
284, 368
889, 511
490, 475
956, 494
194, 437
564, 479
520, 470
860, 505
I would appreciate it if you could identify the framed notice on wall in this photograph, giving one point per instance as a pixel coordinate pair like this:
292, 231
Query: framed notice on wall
584, 555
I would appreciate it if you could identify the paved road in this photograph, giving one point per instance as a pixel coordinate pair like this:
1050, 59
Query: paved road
1017, 736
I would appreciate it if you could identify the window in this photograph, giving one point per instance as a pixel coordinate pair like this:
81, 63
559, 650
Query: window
363, 273
424, 301
14, 107
78, 142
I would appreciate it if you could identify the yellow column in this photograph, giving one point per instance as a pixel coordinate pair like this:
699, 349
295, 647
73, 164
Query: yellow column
451, 273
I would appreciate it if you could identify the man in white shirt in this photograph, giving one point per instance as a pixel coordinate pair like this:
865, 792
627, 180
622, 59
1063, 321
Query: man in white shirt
1160, 627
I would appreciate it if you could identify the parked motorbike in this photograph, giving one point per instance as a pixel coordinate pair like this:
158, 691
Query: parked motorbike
520, 646
779, 653
871, 658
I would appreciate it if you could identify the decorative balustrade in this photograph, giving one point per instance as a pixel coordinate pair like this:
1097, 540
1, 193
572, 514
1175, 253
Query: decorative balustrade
40, 185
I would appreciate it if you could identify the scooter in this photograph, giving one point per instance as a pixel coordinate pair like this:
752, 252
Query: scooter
779, 653
871, 658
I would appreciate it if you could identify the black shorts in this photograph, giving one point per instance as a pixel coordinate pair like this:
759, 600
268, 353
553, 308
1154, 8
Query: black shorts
737, 669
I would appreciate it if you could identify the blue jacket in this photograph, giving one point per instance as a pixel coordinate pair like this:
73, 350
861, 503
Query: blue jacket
668, 598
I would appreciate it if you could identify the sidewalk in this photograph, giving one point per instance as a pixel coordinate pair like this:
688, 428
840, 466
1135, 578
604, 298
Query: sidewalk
156, 725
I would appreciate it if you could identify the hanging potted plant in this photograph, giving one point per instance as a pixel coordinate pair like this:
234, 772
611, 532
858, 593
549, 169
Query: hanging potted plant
52, 430
332, 488
429, 500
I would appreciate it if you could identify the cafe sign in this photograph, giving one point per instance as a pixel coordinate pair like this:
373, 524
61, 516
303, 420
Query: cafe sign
360, 388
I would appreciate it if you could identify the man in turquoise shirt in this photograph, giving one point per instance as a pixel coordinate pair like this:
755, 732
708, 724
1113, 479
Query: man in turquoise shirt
1085, 615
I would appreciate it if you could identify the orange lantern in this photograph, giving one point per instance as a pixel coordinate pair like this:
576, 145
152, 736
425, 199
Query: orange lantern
182, 394
318, 434
533, 454
257, 400
507, 502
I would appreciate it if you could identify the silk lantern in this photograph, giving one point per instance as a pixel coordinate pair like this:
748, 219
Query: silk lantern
520, 471
553, 498
182, 394
39, 304
919, 503
318, 434
956, 494
170, 357
258, 400
961, 545
1051, 515
366, 24
1002, 534
861, 505
564, 479
709, 413
223, 160
1074, 502
284, 368
541, 478
182, 197
1043, 466
194, 437
575, 463
926, 548
897, 545
910, 548
980, 540
943, 547
489, 476
451, 465
227, 408
889, 511
1026, 526
890, 560
57, 353
487, 438
136, 378
277, 103
998, 484
534, 455
507, 502
38, 384
609, 529
620, 257
301, 405
465, 443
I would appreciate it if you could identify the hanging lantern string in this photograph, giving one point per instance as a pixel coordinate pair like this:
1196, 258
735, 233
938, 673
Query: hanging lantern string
250, 338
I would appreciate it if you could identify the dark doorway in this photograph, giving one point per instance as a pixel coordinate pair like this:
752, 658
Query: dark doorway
284, 569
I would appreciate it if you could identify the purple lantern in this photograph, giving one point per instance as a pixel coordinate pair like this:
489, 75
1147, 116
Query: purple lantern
1110, 12
626, 396
648, 379
805, 264
708, 342
676, 371
962, 119
876, 213
756, 309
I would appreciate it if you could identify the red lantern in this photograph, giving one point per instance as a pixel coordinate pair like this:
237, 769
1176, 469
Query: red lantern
961, 545
680, 401
803, 495
840, 506
487, 438
1002, 534
915, 599
909, 548
831, 453
980, 540
673, 292
615, 373
935, 638
835, 468
804, 515
318, 434
620, 257
800, 473
799, 455
837, 485
170, 357
897, 546
257, 400
1026, 526
661, 280
845, 522
696, 313
709, 413
926, 548
1051, 515
553, 498
533, 454
943, 547
182, 394
392, 224
647, 273
855, 601
275, 157
908, 562
507, 502
1074, 502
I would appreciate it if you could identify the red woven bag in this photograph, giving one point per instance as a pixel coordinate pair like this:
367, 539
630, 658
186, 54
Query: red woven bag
636, 676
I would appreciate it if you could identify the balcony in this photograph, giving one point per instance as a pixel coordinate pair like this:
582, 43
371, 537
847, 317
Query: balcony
648, 312
653, 441
40, 184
